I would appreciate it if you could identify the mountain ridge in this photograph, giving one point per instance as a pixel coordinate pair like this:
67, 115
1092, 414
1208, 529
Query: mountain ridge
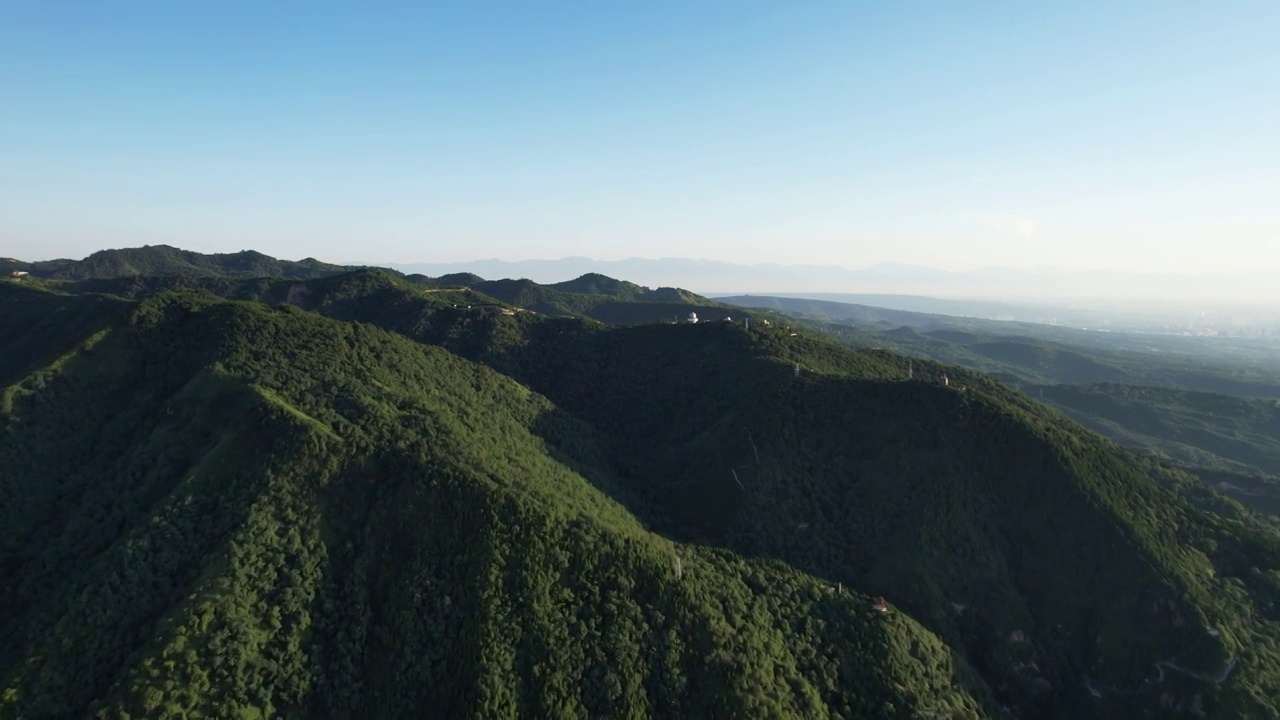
151, 260
717, 277
429, 461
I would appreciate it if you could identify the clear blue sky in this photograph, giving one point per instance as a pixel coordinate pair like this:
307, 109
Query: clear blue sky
1126, 135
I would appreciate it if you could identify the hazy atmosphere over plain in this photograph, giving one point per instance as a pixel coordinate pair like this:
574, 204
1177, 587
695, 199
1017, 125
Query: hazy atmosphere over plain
1121, 136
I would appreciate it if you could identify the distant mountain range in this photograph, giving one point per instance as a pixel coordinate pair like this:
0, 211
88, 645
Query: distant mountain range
1155, 302
711, 277
162, 260
882, 284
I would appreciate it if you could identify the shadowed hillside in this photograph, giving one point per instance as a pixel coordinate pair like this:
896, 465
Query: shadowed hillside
1231, 443
1197, 402
1239, 433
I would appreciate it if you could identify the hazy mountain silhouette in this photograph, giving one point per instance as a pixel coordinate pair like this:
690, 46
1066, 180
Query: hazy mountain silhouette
720, 277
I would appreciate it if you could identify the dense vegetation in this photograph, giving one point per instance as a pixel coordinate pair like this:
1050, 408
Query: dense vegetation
1220, 431
222, 510
367, 495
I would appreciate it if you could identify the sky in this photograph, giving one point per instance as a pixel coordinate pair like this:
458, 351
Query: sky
1119, 135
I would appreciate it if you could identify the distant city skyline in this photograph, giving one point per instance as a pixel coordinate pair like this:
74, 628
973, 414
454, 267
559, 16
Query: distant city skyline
1122, 136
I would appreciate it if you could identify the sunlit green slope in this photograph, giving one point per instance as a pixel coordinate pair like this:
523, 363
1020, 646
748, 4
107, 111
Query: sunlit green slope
215, 509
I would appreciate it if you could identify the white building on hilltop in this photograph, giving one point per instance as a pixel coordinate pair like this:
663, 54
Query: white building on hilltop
693, 318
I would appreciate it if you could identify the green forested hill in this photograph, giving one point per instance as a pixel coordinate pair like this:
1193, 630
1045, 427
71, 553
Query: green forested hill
604, 299
153, 260
248, 275
265, 512
379, 502
948, 501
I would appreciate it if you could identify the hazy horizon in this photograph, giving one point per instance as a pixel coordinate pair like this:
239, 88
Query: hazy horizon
356, 261
1121, 137
707, 276
716, 277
